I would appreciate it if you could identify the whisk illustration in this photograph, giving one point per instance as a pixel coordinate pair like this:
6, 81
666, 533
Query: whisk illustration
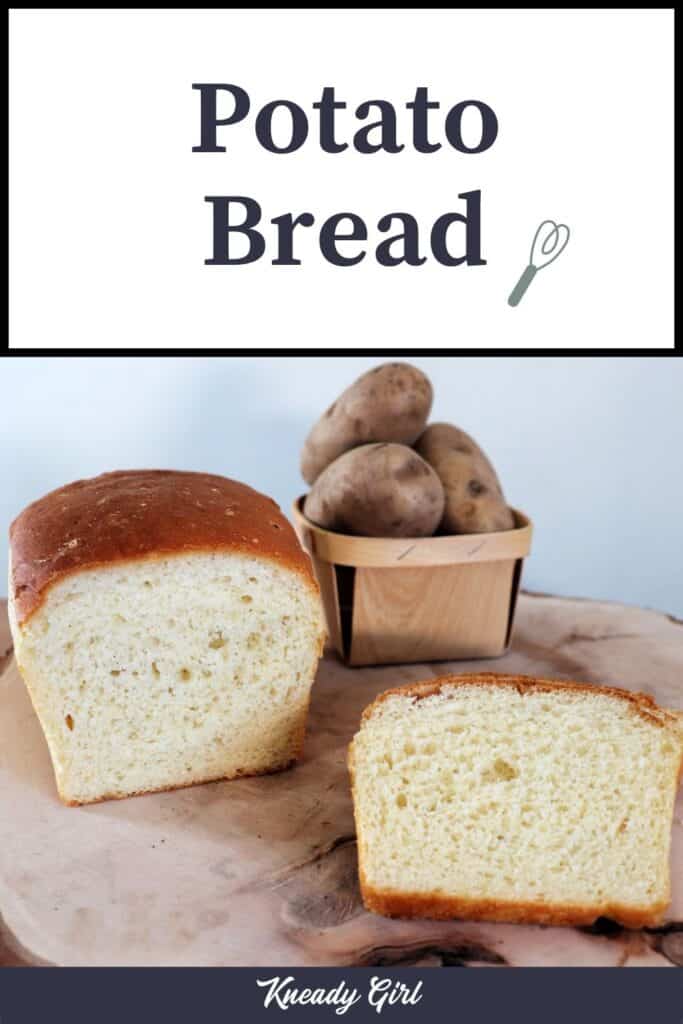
542, 255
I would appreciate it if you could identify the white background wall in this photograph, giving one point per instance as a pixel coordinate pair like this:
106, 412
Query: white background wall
590, 448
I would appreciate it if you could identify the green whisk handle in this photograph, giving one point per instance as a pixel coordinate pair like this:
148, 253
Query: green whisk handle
522, 285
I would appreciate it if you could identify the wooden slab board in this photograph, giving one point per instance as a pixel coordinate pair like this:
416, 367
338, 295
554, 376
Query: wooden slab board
263, 871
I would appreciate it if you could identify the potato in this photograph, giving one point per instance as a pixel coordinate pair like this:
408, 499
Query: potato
377, 490
389, 403
474, 497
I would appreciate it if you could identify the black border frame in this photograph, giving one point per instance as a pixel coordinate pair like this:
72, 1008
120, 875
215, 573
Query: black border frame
676, 349
632, 994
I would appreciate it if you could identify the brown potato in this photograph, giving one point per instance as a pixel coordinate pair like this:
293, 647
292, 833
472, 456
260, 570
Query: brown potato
377, 490
389, 403
474, 497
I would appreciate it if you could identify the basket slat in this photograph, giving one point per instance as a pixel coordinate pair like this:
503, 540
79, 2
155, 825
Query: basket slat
451, 611
389, 552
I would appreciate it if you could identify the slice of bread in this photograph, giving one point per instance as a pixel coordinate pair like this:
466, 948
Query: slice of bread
168, 628
507, 798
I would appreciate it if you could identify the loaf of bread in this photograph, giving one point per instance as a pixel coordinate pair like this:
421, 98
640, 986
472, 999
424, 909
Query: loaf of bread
507, 798
168, 628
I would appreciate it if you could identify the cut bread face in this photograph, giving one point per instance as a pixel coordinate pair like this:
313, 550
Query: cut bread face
164, 672
512, 799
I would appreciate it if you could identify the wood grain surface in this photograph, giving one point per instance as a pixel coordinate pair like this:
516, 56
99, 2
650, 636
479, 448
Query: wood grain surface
263, 871
413, 614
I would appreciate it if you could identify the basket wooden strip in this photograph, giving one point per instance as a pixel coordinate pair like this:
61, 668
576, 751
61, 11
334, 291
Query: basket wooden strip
389, 552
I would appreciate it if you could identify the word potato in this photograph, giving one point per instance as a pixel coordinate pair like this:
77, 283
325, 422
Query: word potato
380, 133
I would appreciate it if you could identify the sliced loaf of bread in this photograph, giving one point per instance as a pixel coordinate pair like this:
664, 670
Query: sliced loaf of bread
168, 626
508, 798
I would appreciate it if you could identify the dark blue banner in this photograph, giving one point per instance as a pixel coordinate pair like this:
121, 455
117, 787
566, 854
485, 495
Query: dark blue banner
541, 996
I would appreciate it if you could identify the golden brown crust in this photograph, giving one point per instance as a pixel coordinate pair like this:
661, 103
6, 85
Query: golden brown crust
441, 907
640, 702
132, 515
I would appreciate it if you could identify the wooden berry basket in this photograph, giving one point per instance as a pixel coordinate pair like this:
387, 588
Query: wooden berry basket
429, 599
